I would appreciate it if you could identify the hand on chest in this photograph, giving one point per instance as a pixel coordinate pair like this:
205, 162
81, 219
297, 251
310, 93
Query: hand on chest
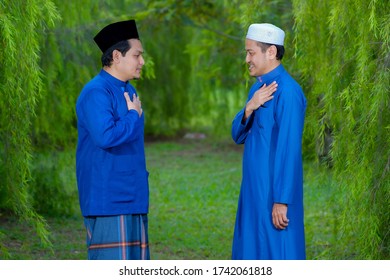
264, 116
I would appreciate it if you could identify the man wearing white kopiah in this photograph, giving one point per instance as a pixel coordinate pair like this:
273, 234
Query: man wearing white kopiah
270, 219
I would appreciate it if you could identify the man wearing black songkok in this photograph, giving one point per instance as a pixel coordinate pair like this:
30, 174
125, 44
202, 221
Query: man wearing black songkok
111, 171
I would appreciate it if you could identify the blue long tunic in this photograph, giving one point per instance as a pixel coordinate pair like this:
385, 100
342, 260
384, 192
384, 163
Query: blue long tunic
110, 159
272, 172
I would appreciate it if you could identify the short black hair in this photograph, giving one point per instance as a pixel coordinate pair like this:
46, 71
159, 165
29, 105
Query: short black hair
279, 49
122, 46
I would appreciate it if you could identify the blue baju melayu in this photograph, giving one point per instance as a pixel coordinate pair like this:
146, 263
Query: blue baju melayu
112, 178
272, 172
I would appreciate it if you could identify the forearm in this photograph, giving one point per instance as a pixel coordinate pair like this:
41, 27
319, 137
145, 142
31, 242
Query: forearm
247, 113
240, 128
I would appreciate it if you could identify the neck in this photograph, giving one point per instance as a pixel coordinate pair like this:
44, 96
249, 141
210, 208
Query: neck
272, 66
111, 70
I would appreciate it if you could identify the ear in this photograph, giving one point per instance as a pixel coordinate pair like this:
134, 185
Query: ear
272, 51
116, 55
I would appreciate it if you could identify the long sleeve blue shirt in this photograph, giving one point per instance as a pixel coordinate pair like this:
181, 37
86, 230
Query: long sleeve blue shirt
272, 172
112, 178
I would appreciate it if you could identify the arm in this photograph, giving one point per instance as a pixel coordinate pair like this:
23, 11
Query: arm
133, 105
261, 96
289, 119
240, 127
242, 122
99, 119
279, 215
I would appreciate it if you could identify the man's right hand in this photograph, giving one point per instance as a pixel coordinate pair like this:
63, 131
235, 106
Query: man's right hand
261, 96
135, 104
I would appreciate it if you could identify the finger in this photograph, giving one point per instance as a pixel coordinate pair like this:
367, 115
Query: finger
261, 89
279, 222
273, 85
274, 221
127, 97
281, 226
284, 222
271, 91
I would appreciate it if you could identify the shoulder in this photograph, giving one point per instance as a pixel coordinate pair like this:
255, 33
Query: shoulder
96, 89
94, 83
289, 88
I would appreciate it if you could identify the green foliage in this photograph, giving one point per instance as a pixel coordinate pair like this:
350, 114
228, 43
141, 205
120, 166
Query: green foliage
195, 79
66, 69
21, 243
193, 199
69, 60
54, 190
4, 252
344, 60
194, 189
20, 88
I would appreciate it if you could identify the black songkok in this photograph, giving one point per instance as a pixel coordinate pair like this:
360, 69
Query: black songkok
116, 32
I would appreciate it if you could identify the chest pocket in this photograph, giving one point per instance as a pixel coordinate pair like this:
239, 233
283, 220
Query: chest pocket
264, 116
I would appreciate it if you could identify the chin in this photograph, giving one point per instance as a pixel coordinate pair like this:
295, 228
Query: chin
252, 73
137, 77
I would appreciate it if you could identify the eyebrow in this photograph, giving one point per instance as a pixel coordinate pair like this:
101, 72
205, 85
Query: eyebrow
139, 51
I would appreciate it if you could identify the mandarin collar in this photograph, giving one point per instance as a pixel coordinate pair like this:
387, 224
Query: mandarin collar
105, 75
271, 75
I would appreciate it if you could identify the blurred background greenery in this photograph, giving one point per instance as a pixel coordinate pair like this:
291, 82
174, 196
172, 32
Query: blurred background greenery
194, 81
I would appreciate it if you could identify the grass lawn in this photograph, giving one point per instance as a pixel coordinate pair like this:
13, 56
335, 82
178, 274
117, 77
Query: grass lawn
194, 188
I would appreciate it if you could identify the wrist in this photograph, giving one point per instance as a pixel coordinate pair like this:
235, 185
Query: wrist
247, 111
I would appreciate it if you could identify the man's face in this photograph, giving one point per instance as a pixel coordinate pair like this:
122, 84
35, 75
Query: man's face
257, 60
131, 64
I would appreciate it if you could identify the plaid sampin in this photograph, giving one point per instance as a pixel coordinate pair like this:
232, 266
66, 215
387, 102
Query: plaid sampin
123, 237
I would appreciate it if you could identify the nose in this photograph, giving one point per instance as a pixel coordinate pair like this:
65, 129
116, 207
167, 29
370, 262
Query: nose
142, 60
247, 58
